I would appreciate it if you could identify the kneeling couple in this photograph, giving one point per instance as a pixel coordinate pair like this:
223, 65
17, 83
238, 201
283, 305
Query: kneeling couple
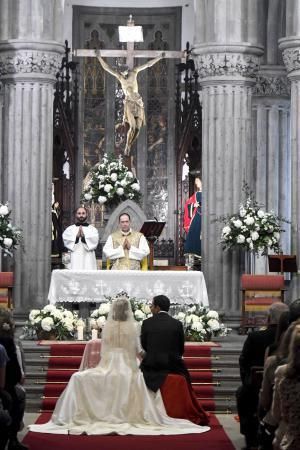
113, 397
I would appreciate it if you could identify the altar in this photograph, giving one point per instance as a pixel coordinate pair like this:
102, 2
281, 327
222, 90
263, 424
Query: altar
183, 288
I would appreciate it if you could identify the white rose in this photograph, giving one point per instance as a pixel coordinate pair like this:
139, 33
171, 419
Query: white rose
33, 314
123, 182
57, 314
260, 213
212, 315
47, 324
249, 220
195, 318
88, 196
139, 315
101, 178
240, 239
7, 242
101, 321
135, 186
129, 174
254, 235
120, 191
68, 314
4, 210
251, 246
49, 308
104, 308
271, 228
197, 326
113, 177
226, 230
181, 316
237, 223
101, 199
68, 324
188, 319
108, 187
213, 324
192, 309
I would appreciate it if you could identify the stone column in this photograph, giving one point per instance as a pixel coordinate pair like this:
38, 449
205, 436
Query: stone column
290, 45
30, 55
272, 161
227, 60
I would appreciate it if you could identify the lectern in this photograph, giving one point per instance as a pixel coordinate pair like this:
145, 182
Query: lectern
152, 229
282, 263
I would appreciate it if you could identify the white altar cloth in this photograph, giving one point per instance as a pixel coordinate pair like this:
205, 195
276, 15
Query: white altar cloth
92, 286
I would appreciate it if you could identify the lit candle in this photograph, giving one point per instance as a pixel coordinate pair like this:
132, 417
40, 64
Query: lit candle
94, 333
80, 333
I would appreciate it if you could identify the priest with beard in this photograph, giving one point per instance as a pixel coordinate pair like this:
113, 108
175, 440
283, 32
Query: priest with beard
82, 240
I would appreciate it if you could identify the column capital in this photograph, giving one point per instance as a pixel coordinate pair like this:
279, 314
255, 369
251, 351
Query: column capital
40, 62
229, 65
290, 47
272, 81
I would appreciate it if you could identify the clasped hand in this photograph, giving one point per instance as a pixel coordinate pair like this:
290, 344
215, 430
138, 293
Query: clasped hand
126, 245
80, 233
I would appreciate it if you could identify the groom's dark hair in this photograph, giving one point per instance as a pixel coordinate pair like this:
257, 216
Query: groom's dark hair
162, 302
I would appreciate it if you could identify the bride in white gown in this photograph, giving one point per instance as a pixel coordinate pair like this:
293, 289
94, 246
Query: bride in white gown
113, 397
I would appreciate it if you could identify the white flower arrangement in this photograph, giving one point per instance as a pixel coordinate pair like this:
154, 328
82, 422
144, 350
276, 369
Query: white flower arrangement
252, 228
111, 183
201, 324
58, 320
10, 236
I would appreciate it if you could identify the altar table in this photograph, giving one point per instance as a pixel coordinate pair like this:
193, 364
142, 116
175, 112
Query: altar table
182, 288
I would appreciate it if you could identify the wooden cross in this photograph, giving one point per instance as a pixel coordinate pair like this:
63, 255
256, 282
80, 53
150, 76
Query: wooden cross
130, 53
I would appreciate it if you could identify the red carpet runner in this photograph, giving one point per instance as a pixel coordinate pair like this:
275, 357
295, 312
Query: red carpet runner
65, 360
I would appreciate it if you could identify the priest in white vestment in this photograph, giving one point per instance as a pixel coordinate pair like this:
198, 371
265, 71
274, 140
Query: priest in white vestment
126, 248
82, 240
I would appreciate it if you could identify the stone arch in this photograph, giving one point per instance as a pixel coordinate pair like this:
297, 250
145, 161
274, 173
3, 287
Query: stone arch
137, 216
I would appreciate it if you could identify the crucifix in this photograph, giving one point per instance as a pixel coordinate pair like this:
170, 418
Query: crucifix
134, 113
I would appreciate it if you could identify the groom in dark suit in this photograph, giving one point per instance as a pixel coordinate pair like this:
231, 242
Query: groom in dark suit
163, 341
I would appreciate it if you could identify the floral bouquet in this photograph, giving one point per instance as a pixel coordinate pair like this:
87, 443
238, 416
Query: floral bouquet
252, 228
201, 324
99, 316
57, 322
141, 310
10, 236
110, 182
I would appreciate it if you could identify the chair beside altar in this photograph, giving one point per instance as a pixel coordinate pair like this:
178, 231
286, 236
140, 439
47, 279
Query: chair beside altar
6, 287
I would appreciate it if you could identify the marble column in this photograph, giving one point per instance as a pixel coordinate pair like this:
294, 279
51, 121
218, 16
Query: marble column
30, 54
271, 132
290, 46
227, 57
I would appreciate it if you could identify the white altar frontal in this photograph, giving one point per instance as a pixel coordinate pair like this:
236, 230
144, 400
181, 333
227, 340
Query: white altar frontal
182, 288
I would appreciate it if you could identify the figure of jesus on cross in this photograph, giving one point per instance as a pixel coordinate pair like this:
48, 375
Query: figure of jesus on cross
134, 112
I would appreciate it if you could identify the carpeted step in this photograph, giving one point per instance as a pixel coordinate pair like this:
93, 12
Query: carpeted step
197, 363
66, 362
65, 349
201, 375
60, 375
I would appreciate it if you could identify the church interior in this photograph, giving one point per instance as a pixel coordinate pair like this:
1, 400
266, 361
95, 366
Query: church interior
205, 137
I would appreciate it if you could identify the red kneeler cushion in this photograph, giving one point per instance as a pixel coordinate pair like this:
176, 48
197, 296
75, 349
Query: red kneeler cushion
180, 400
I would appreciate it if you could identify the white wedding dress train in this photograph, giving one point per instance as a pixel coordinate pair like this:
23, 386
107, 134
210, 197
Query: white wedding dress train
113, 397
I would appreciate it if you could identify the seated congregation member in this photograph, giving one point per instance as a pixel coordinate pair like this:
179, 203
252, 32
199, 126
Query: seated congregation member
253, 354
113, 397
13, 380
82, 240
268, 424
286, 399
5, 405
162, 339
126, 247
